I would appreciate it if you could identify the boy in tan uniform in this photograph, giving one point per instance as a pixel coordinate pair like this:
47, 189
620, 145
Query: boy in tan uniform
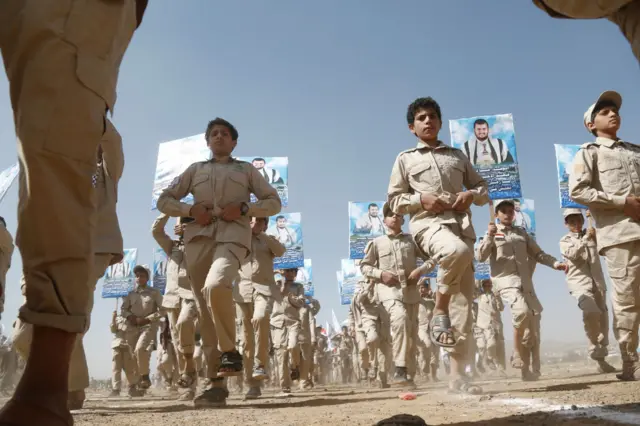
624, 13
605, 177
179, 302
122, 358
254, 295
428, 352
489, 323
142, 308
428, 182
587, 285
285, 328
62, 81
218, 242
356, 312
391, 262
307, 339
508, 249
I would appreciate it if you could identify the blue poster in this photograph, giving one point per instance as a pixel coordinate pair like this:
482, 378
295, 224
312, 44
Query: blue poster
482, 269
286, 227
490, 144
276, 171
7, 177
366, 222
431, 274
564, 159
174, 157
349, 281
305, 277
159, 270
119, 279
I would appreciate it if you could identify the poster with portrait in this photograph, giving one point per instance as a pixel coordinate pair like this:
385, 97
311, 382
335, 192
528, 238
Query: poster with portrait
564, 159
287, 228
174, 157
482, 269
119, 279
276, 171
305, 277
350, 279
7, 177
490, 144
159, 270
366, 222
524, 214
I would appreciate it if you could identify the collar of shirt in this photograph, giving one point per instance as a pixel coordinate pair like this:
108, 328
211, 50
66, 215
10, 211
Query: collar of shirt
424, 145
607, 142
577, 234
140, 289
228, 159
398, 235
502, 227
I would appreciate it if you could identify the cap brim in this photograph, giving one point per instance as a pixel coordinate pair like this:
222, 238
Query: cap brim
610, 96
511, 203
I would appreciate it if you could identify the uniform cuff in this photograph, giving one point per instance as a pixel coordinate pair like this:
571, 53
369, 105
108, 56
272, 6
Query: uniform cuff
619, 201
414, 199
185, 210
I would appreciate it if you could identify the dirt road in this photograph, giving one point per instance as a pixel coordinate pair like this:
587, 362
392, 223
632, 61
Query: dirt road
566, 394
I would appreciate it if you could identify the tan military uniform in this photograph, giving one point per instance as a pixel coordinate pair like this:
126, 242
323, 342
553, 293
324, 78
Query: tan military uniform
448, 236
376, 328
107, 244
624, 13
178, 299
321, 359
254, 295
355, 323
60, 97
508, 253
428, 353
143, 302
604, 173
6, 251
307, 340
122, 358
285, 330
398, 255
586, 283
344, 344
489, 324
216, 251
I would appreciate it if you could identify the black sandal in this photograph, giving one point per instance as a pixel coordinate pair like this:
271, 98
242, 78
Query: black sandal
441, 325
230, 365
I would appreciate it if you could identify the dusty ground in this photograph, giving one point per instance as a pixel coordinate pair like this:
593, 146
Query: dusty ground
566, 394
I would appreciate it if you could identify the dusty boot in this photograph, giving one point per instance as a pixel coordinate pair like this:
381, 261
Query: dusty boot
383, 381
400, 377
75, 400
211, 398
145, 382
604, 367
254, 392
629, 371
187, 396
114, 393
134, 392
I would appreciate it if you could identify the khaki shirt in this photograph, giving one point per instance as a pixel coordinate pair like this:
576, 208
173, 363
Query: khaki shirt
580, 9
367, 300
344, 343
143, 302
398, 255
322, 344
425, 312
108, 238
256, 272
489, 311
178, 283
584, 273
509, 253
283, 308
220, 183
604, 174
120, 330
6, 251
442, 171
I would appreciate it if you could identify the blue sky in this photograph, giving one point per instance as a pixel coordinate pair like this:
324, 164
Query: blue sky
327, 85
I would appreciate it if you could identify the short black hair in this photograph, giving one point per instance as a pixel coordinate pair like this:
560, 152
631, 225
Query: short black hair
258, 159
422, 103
373, 205
280, 217
480, 121
503, 204
221, 122
599, 106
3, 221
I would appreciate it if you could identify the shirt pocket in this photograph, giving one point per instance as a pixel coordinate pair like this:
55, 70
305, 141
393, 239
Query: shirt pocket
503, 250
423, 177
237, 186
611, 173
386, 260
201, 187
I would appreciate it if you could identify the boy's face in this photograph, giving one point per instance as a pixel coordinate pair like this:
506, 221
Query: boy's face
394, 222
505, 214
290, 274
487, 286
575, 222
606, 120
141, 278
426, 125
220, 141
258, 225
